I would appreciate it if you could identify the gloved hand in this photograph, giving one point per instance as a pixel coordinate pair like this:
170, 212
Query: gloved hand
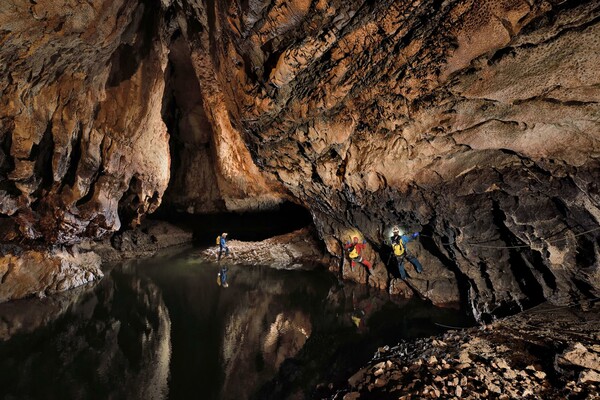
415, 234
364, 241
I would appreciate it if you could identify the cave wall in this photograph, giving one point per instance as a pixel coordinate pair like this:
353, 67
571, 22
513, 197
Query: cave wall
474, 122
80, 122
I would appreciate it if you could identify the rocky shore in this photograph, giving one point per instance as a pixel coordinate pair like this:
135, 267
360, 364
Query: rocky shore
547, 352
42, 271
144, 241
295, 250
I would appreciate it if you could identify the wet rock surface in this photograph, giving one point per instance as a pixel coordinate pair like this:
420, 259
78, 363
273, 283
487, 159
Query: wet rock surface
40, 272
295, 250
548, 352
43, 272
144, 241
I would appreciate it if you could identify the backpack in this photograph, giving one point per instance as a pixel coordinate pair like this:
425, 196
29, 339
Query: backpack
352, 252
398, 248
219, 239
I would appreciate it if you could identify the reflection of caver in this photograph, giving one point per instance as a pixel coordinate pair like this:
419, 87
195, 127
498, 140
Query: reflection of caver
357, 316
398, 243
354, 249
222, 277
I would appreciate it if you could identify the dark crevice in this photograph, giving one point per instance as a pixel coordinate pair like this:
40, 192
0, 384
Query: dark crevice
42, 154
537, 262
271, 62
130, 202
254, 225
89, 195
561, 206
500, 54
463, 281
128, 57
7, 164
488, 281
523, 275
315, 177
584, 288
585, 256
71, 174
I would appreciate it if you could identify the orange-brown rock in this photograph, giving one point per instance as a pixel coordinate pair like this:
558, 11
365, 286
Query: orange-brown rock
295, 250
46, 272
475, 123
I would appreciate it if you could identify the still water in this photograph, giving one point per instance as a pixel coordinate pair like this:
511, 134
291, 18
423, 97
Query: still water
163, 328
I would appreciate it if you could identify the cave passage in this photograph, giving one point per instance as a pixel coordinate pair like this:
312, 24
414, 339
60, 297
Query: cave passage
163, 328
247, 226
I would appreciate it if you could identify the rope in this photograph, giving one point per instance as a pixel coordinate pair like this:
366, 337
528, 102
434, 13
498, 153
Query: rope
519, 246
452, 327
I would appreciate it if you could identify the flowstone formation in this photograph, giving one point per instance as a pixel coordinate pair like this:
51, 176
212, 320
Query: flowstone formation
473, 122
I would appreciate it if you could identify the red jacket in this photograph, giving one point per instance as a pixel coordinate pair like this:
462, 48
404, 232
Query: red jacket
357, 246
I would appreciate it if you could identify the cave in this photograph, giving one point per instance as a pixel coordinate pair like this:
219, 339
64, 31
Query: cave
136, 132
194, 198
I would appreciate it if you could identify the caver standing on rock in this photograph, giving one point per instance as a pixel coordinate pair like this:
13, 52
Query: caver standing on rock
223, 245
398, 243
354, 249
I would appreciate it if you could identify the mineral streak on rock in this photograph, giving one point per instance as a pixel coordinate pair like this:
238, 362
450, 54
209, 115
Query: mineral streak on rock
474, 122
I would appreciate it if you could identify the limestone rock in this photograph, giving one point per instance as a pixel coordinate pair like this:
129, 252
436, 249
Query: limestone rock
296, 250
27, 272
530, 338
371, 119
589, 376
578, 355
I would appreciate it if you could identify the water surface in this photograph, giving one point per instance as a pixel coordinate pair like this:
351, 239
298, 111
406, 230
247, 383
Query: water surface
163, 328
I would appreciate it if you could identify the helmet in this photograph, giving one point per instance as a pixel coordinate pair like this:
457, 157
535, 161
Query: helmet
395, 229
224, 234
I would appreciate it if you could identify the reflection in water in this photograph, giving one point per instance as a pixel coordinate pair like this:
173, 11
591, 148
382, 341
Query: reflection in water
112, 341
285, 337
162, 328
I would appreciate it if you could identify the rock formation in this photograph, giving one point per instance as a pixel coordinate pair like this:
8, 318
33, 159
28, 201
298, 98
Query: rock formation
295, 250
528, 356
474, 122
45, 272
